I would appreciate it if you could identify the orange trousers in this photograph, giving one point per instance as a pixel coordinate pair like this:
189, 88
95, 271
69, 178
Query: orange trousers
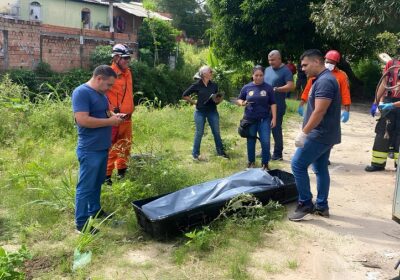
121, 148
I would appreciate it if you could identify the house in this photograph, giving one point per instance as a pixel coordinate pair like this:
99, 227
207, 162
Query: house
63, 33
87, 14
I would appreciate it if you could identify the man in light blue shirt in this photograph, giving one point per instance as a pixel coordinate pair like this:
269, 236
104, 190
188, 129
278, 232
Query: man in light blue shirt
280, 78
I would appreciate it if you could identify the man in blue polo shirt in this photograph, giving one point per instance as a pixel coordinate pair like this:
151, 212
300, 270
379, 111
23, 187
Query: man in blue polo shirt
94, 121
280, 78
321, 130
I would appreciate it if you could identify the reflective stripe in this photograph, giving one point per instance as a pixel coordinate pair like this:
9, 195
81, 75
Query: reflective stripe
379, 154
379, 157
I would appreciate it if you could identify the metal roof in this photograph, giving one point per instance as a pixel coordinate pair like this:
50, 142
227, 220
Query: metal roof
133, 8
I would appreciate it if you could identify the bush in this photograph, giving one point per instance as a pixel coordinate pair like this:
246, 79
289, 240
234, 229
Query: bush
100, 56
369, 72
160, 82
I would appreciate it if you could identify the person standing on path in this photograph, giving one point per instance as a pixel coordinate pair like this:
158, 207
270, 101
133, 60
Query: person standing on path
321, 130
280, 78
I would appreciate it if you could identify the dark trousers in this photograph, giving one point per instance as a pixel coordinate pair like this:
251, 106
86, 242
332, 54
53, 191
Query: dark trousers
277, 134
387, 136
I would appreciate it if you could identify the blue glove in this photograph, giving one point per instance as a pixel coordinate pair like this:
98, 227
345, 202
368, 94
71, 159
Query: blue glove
386, 106
345, 116
372, 111
300, 110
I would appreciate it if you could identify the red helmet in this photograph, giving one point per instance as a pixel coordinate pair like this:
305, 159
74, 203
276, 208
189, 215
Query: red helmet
333, 55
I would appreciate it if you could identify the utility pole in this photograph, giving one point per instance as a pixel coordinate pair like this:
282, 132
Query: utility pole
110, 15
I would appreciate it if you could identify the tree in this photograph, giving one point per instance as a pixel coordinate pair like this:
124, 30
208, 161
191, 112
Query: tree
190, 16
157, 39
248, 29
356, 23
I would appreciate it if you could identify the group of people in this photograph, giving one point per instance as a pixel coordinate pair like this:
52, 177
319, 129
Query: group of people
104, 105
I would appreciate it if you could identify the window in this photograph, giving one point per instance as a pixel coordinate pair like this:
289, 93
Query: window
34, 11
85, 18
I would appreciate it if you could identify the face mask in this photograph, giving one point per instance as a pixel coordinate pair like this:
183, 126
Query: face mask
329, 66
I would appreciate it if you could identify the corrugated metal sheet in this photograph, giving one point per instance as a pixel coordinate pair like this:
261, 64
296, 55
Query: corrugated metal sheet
133, 8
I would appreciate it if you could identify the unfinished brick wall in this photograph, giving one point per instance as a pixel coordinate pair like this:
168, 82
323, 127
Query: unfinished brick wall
23, 44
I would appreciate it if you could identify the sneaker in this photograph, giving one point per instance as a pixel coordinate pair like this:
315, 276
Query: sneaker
223, 155
301, 212
265, 167
373, 168
196, 157
322, 212
108, 180
251, 165
275, 157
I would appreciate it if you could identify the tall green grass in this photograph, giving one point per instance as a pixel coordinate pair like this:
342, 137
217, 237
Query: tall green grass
38, 174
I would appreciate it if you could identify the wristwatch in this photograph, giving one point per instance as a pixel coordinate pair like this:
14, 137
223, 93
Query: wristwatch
275, 89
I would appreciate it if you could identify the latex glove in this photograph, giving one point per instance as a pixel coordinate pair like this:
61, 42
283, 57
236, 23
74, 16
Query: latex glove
372, 111
345, 116
300, 139
300, 110
386, 106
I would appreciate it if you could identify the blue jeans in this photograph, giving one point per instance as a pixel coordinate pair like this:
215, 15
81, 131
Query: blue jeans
92, 172
317, 154
200, 120
263, 127
277, 134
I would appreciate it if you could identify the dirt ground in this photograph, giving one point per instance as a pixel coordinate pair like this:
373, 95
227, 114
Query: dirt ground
359, 240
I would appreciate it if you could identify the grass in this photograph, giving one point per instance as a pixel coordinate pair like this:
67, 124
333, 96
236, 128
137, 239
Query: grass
38, 174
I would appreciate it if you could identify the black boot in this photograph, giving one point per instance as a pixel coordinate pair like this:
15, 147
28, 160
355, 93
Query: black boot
121, 173
373, 168
108, 180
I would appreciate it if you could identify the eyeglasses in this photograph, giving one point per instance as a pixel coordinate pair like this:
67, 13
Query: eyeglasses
126, 57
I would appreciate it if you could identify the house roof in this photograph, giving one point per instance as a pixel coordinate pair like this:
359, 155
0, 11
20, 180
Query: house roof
133, 8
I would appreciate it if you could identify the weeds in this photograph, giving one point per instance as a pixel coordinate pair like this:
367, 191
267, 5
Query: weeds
11, 264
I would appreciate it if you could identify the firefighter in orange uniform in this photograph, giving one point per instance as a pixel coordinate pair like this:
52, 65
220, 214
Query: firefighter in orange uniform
120, 98
332, 58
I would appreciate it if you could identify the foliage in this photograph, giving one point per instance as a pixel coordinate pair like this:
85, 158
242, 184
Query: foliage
369, 72
356, 23
389, 43
167, 85
43, 69
157, 36
188, 15
247, 30
12, 263
100, 56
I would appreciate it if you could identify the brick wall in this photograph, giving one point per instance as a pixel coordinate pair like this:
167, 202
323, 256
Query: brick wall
23, 44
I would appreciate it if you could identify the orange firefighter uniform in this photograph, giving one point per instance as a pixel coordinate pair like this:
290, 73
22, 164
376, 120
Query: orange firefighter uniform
343, 82
120, 98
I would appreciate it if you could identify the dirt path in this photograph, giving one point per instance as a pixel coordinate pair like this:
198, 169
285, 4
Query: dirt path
358, 241
360, 234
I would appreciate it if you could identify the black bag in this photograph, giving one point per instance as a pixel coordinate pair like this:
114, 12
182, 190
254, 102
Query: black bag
243, 128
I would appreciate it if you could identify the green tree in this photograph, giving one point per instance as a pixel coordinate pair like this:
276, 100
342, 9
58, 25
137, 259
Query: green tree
157, 40
356, 23
190, 16
248, 29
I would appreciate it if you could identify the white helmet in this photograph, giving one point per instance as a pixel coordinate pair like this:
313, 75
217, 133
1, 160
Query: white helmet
122, 50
